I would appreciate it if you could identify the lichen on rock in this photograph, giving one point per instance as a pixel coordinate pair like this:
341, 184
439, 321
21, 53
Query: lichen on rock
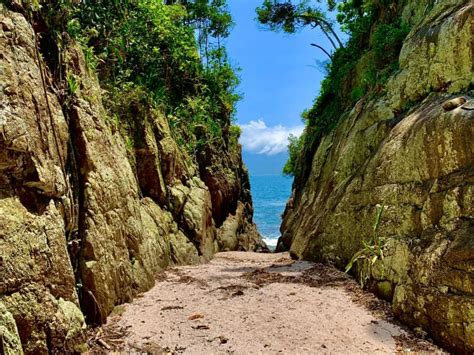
10, 343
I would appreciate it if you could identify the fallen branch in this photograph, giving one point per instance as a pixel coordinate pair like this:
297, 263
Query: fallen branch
104, 344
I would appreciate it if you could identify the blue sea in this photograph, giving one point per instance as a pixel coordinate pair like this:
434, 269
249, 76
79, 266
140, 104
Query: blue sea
270, 194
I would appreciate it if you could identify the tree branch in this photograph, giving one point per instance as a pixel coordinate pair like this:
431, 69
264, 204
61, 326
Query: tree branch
325, 27
328, 25
325, 51
325, 33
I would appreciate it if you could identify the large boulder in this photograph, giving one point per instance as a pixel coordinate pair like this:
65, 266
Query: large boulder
248, 238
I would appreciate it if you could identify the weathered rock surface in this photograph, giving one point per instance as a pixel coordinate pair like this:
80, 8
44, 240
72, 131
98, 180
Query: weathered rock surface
85, 222
246, 233
10, 343
232, 209
419, 164
37, 278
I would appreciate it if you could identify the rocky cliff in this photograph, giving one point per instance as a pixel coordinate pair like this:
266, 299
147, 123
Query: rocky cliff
86, 220
409, 150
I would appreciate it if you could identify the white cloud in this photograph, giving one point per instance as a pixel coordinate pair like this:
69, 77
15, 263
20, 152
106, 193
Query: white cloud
258, 138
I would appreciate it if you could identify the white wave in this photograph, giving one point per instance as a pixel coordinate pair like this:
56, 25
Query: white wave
271, 241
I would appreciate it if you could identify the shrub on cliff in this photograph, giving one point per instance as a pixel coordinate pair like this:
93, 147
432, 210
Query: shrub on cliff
357, 68
170, 51
173, 51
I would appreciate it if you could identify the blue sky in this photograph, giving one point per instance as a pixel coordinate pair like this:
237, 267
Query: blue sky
279, 79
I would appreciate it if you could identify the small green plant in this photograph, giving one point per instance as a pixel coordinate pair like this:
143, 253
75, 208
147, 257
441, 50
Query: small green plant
234, 134
74, 28
129, 144
72, 83
372, 251
30, 5
235, 131
116, 120
90, 58
357, 93
387, 42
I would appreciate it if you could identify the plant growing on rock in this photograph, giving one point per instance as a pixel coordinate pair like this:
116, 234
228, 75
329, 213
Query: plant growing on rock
358, 68
371, 252
234, 133
72, 83
171, 52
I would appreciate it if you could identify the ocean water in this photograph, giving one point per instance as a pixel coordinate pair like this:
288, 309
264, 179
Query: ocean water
270, 194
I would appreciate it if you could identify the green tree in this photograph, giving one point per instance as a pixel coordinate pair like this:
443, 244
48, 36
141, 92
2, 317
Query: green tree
167, 55
295, 147
290, 18
213, 22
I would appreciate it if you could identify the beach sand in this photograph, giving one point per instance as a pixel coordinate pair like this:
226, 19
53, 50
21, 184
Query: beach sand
249, 303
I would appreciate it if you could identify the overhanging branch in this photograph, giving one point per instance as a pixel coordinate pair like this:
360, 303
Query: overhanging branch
325, 51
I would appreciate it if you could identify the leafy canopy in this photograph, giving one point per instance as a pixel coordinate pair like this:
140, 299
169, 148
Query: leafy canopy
289, 17
172, 53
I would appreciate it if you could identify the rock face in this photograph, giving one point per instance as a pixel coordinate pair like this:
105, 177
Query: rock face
412, 152
10, 343
37, 278
85, 221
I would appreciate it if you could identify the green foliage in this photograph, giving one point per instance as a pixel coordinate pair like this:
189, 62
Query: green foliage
284, 16
295, 147
199, 128
235, 131
33, 5
234, 135
357, 93
90, 58
387, 42
72, 83
74, 28
165, 56
359, 68
129, 145
211, 21
371, 252
143, 43
169, 57
355, 16
290, 18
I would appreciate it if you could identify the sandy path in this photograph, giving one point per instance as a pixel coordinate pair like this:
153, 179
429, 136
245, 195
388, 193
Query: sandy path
246, 303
